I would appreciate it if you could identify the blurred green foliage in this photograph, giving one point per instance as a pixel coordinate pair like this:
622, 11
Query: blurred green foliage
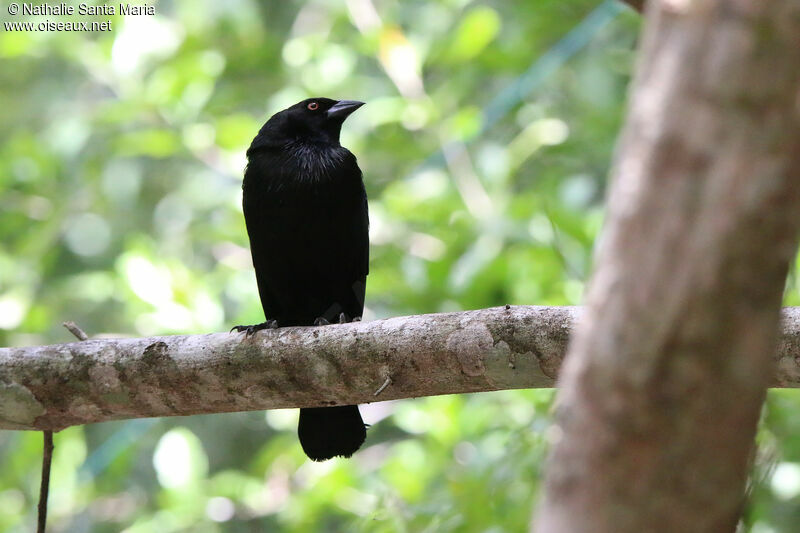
485, 161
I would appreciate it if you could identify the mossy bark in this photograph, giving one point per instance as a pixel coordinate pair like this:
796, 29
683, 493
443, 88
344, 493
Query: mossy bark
52, 387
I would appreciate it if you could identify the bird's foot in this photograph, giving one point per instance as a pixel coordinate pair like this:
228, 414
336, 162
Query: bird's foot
250, 330
344, 319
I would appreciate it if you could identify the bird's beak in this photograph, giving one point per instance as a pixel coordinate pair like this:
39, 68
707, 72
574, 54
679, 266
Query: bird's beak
343, 108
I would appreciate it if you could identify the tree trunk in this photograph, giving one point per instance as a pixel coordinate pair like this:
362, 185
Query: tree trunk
667, 372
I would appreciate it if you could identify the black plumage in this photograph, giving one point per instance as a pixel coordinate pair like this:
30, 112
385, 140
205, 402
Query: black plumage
305, 208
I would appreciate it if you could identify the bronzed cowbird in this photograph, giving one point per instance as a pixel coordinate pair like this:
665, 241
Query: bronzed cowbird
305, 208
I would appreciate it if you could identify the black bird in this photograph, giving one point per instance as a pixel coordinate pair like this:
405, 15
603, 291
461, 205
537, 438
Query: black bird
305, 208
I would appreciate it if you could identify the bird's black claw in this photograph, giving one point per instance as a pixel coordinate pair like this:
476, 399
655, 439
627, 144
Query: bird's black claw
356, 319
250, 330
321, 321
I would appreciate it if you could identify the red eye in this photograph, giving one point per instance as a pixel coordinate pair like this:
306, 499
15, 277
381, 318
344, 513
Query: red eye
313, 106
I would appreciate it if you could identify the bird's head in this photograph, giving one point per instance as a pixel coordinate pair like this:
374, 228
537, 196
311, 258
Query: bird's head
314, 119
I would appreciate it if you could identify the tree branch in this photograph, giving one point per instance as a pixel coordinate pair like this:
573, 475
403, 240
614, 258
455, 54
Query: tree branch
53, 387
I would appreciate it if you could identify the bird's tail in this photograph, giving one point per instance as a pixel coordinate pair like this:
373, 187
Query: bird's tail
327, 432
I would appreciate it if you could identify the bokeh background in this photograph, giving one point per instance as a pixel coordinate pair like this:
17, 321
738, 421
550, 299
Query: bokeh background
485, 144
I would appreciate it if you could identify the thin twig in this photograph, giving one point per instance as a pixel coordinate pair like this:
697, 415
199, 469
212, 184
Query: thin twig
75, 330
47, 452
385, 384
44, 489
